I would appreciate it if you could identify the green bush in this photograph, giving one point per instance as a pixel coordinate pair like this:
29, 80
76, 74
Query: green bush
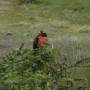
39, 69
24, 69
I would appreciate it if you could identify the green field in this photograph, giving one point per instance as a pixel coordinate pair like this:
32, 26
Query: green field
67, 23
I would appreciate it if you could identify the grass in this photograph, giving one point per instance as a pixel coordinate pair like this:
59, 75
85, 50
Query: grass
67, 23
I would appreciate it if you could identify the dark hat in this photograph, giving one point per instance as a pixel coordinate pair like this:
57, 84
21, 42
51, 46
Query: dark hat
44, 34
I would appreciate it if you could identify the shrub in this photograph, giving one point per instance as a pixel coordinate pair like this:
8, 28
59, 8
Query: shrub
24, 69
39, 69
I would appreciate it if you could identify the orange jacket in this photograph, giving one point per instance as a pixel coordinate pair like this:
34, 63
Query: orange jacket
41, 40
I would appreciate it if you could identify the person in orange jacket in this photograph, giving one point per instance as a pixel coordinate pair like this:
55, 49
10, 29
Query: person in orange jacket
42, 39
39, 40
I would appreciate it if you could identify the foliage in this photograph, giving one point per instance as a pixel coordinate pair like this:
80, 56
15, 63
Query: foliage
57, 17
26, 69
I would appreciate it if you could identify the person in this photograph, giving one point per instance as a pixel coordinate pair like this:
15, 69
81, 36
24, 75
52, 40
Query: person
39, 40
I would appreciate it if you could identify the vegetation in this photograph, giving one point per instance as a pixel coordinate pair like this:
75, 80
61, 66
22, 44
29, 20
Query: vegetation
37, 70
67, 23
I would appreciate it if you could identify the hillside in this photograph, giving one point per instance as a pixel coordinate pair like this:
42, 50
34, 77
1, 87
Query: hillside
67, 23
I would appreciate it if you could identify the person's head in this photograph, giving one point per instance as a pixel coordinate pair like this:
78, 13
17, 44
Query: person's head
43, 33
